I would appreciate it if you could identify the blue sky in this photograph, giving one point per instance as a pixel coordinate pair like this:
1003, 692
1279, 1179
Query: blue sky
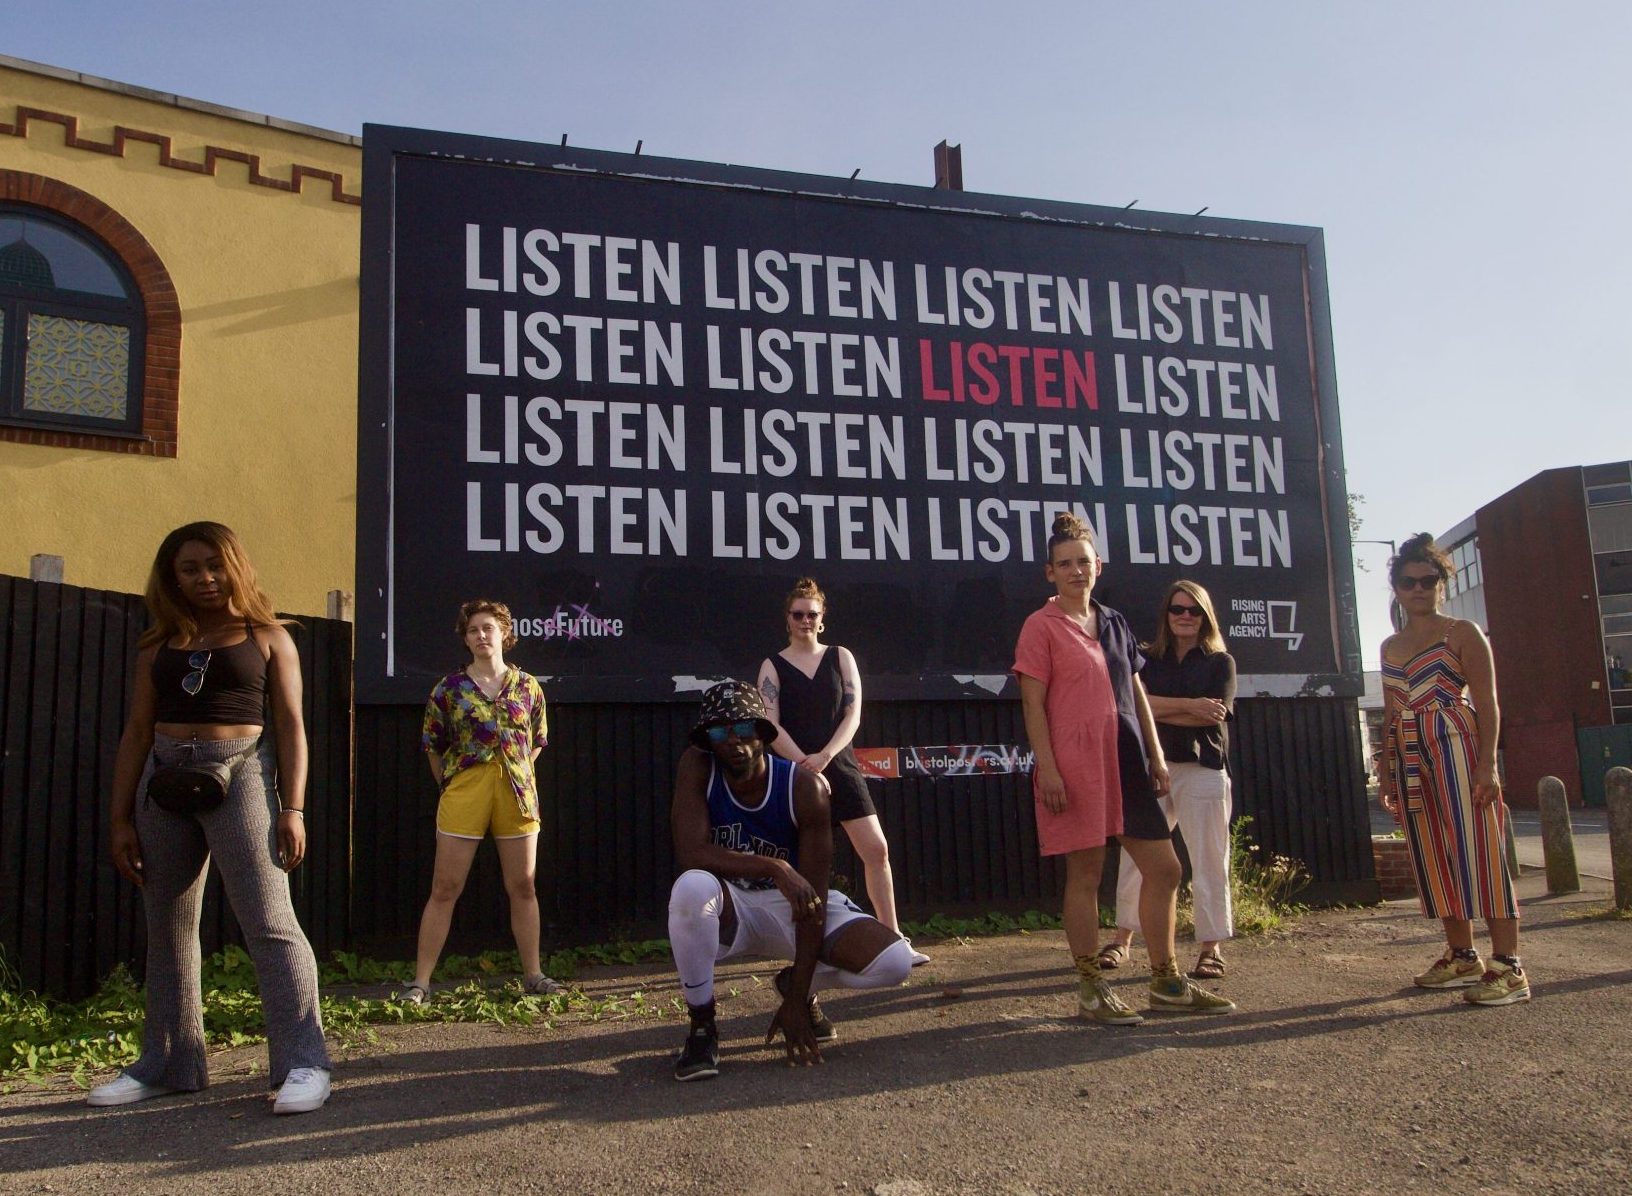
1468, 162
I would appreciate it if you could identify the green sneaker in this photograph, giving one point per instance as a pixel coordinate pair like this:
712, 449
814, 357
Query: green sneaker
1450, 972
1097, 1003
1500, 985
1173, 993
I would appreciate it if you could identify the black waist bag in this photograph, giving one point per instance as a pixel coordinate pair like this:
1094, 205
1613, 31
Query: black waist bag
193, 786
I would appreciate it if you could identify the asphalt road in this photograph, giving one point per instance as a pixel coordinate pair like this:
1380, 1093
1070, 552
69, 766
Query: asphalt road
1337, 1076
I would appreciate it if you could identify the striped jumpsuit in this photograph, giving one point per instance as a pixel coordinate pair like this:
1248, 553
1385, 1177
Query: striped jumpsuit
1456, 847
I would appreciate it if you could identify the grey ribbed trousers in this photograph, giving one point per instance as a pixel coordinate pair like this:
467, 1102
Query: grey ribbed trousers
242, 836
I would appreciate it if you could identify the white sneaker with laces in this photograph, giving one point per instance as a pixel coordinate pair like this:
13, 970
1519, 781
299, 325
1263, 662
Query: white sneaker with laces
126, 1090
304, 1089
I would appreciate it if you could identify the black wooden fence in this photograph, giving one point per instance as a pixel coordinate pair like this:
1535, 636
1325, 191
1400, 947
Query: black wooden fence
66, 916
957, 845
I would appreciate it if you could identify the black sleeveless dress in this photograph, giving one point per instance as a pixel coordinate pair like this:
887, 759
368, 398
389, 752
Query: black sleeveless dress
810, 710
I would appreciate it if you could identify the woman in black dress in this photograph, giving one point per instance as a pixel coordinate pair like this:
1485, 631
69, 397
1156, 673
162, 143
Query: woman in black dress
812, 693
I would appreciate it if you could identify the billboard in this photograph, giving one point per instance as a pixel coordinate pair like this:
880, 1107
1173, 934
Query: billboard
637, 398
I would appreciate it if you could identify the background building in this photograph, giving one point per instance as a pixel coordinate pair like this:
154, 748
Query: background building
1546, 569
178, 332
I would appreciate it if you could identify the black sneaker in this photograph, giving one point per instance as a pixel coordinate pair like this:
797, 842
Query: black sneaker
819, 1025
700, 1057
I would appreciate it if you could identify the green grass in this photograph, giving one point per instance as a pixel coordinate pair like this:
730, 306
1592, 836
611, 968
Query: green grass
79, 1038
49, 1037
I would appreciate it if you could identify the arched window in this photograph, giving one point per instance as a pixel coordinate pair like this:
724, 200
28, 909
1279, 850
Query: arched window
72, 329
90, 326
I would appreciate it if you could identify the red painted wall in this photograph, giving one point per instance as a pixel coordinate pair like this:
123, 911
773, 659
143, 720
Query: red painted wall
1540, 597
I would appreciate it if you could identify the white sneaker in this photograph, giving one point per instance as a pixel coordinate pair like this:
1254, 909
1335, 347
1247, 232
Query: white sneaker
305, 1089
919, 959
126, 1090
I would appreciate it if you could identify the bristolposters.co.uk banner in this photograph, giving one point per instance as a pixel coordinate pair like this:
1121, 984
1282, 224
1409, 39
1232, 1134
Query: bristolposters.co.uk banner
636, 400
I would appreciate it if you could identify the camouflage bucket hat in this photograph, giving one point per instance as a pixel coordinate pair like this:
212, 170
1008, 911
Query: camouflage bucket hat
731, 702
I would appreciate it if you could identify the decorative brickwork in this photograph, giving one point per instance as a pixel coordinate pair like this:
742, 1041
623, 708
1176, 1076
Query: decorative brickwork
161, 373
122, 135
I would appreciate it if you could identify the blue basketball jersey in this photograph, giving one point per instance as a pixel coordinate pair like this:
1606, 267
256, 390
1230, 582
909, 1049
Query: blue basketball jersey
770, 828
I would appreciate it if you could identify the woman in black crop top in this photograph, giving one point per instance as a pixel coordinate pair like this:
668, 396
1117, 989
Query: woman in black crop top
214, 657
812, 692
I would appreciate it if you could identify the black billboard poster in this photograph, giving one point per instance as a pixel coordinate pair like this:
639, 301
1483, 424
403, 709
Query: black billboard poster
635, 399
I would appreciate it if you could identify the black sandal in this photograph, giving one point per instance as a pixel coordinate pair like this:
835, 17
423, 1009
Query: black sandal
1112, 956
1209, 966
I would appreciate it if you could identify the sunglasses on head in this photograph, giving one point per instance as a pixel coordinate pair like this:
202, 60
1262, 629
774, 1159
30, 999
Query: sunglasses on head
199, 662
1425, 582
1179, 608
747, 730
805, 616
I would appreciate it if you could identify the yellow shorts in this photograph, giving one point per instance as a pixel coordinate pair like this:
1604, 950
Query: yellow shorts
478, 800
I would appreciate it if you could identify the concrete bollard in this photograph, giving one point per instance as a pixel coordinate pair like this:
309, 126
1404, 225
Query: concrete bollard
1557, 839
1618, 785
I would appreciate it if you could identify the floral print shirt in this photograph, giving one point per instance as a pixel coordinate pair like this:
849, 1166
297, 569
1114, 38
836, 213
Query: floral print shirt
464, 727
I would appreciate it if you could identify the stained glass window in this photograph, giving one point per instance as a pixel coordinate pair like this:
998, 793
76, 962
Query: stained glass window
71, 328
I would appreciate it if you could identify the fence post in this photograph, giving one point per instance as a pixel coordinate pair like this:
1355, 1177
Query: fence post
43, 566
1557, 839
1618, 788
340, 605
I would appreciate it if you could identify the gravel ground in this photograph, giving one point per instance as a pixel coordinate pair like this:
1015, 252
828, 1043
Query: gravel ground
1336, 1077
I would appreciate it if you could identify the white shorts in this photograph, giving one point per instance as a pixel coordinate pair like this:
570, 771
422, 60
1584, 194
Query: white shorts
765, 921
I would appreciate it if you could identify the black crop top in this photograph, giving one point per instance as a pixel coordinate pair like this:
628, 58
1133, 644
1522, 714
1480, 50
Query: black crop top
233, 692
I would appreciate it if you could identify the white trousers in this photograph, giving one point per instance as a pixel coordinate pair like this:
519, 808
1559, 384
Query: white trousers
1198, 801
764, 927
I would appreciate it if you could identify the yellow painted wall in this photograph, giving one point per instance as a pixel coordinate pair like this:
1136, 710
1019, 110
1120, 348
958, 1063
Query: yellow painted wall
267, 284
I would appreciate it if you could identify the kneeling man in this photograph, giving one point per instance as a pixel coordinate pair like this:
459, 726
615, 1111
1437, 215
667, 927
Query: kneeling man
754, 835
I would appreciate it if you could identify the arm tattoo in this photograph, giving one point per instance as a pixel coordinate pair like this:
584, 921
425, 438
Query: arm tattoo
848, 698
767, 687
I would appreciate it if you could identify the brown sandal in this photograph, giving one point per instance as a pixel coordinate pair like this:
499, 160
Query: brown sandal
1209, 966
1111, 956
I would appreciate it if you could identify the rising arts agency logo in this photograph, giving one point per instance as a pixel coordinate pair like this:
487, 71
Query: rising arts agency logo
1265, 618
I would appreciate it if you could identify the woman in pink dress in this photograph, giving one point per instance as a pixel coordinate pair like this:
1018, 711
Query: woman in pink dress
1092, 778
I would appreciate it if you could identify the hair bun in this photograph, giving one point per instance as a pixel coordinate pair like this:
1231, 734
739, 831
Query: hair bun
1067, 524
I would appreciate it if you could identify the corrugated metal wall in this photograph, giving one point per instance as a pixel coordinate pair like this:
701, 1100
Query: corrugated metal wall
66, 917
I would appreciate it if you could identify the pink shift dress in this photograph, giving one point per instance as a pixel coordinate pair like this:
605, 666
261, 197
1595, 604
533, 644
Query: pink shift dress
1082, 725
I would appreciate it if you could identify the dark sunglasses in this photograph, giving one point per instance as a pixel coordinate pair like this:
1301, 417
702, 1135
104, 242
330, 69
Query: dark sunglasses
747, 730
1407, 582
1179, 608
806, 616
199, 662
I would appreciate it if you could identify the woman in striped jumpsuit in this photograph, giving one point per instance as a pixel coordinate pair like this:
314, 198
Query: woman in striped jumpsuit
1439, 779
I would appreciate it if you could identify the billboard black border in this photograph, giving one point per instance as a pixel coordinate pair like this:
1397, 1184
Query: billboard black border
384, 144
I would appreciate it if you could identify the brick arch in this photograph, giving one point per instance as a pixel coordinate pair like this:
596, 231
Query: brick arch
161, 372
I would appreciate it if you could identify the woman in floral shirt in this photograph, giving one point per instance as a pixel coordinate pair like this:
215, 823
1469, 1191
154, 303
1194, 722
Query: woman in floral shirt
484, 727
